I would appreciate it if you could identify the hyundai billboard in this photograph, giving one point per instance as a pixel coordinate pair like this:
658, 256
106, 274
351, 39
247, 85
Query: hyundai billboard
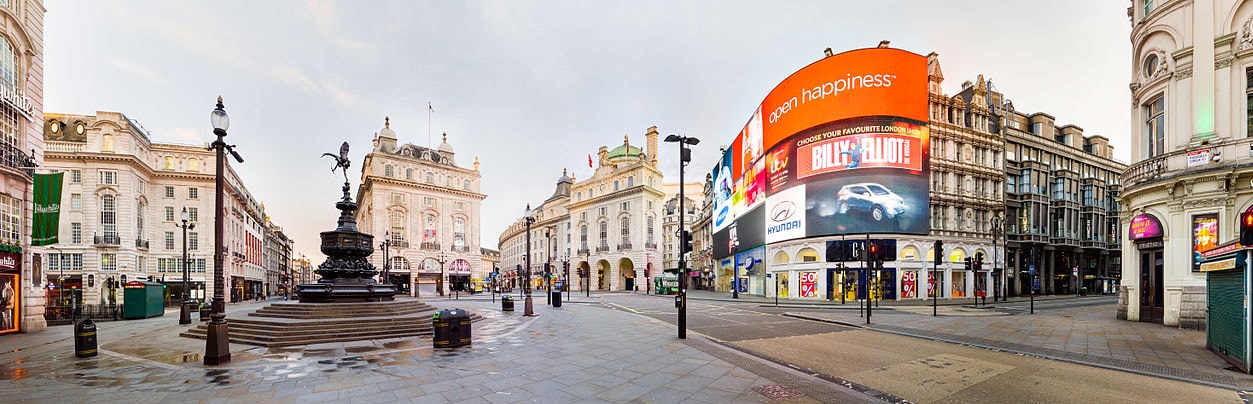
839, 147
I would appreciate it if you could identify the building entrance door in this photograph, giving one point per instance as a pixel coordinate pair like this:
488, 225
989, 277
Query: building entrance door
1152, 295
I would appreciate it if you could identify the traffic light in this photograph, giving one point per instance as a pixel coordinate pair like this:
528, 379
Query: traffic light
939, 252
1246, 229
686, 242
978, 262
969, 264
873, 248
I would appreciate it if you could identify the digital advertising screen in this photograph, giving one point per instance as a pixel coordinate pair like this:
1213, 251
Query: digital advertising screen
839, 147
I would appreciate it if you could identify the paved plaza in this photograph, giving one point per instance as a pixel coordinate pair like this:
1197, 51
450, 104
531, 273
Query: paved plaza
576, 353
1086, 332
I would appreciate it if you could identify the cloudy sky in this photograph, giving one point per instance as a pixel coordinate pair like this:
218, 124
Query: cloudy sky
532, 87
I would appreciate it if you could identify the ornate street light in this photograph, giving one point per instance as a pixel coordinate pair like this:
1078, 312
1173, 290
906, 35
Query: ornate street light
439, 283
530, 219
387, 242
685, 156
996, 273
217, 349
184, 314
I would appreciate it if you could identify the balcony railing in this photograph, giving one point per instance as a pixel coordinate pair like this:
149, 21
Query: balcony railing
13, 156
108, 239
603, 248
426, 245
141, 244
462, 248
650, 246
1145, 170
624, 246
398, 243
584, 251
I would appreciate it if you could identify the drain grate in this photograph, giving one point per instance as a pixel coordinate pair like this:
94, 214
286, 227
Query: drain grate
778, 392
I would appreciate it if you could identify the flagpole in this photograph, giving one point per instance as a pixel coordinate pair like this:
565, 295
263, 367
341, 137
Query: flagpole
429, 110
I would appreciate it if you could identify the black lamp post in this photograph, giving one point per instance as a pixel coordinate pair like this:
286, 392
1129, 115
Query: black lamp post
685, 156
530, 219
217, 349
439, 283
996, 273
184, 314
548, 264
387, 242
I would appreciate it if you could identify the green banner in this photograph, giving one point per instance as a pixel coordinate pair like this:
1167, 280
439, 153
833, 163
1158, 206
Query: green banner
47, 209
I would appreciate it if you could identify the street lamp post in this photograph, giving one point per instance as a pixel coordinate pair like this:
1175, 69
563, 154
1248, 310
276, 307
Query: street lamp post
387, 242
996, 273
530, 219
685, 156
217, 349
587, 284
439, 283
548, 265
184, 314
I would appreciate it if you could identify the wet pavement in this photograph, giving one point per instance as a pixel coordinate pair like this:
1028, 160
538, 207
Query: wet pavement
1082, 330
577, 353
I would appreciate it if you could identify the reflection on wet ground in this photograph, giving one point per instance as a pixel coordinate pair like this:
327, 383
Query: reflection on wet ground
179, 369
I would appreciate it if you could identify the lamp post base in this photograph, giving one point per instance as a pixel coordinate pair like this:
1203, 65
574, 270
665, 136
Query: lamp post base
529, 308
217, 349
184, 313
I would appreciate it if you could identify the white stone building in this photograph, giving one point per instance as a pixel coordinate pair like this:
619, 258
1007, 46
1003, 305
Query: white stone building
607, 227
428, 208
122, 199
1191, 143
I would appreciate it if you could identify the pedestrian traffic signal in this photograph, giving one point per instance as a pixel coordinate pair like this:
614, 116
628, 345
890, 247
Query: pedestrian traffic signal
969, 264
1246, 229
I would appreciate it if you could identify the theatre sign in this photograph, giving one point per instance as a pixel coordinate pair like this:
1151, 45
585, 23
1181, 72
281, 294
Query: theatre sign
18, 100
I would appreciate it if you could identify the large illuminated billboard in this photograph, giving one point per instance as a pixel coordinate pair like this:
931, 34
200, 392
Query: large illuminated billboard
839, 147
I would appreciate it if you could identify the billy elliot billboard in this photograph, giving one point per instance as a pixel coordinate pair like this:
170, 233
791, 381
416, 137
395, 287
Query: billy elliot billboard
839, 147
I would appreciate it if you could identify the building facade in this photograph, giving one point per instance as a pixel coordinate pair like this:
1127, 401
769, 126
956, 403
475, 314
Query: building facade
1191, 143
22, 294
1061, 226
278, 259
428, 209
123, 198
605, 228
670, 228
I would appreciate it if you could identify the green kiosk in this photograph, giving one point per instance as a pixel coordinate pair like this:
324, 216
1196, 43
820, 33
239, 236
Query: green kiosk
143, 300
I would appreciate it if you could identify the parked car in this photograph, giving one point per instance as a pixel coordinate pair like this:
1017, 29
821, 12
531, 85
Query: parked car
870, 197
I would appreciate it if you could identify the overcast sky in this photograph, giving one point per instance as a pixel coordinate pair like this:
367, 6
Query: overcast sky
531, 87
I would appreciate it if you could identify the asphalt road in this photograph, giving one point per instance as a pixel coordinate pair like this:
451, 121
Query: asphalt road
912, 369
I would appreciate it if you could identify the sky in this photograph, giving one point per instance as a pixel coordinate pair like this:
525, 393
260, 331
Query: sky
534, 87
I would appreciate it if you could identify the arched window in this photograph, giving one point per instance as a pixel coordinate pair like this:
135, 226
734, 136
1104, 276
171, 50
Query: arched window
428, 230
8, 65
108, 217
459, 233
615, 185
650, 230
626, 230
631, 181
398, 224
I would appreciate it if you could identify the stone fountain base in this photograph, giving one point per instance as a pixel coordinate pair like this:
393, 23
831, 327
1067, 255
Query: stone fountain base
344, 290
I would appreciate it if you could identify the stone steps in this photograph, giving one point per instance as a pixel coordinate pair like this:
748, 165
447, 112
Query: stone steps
288, 324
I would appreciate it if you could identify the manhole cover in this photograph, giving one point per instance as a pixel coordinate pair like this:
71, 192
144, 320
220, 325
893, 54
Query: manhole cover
777, 392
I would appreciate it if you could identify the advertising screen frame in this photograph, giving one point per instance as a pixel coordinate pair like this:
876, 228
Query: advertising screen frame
852, 130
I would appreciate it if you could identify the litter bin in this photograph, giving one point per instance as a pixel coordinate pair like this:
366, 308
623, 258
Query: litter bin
556, 298
506, 303
85, 338
206, 311
452, 328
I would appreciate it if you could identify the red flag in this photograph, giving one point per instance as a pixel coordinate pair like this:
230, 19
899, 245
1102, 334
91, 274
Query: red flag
589, 161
